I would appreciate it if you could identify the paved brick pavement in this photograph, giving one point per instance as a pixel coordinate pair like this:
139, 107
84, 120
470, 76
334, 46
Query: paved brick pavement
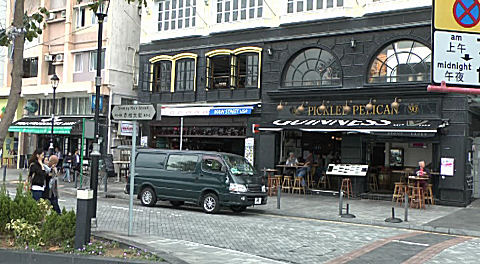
264, 237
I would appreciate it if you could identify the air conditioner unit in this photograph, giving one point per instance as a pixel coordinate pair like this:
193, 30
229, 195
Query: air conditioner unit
48, 57
59, 58
64, 13
51, 16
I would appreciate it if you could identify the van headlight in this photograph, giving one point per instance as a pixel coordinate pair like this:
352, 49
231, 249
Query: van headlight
234, 187
264, 189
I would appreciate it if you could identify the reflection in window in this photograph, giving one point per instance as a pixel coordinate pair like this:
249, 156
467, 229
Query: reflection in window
162, 75
247, 70
212, 164
401, 61
150, 160
186, 163
313, 67
184, 74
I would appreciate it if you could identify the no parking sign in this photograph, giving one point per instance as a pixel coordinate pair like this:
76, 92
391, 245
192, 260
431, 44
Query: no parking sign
456, 41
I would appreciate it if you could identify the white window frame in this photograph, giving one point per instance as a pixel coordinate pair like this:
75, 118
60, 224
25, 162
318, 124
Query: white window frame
76, 57
326, 4
92, 67
78, 12
174, 13
238, 6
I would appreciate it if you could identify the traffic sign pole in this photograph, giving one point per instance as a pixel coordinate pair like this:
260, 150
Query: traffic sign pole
132, 176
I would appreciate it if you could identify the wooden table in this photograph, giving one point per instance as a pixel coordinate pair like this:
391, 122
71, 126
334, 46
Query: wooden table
417, 180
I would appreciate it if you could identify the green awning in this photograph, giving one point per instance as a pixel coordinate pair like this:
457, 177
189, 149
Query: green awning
43, 125
41, 130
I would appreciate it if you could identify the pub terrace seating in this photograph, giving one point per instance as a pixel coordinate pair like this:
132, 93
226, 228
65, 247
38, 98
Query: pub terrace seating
287, 184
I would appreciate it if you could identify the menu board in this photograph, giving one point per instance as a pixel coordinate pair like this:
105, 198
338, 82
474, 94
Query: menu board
447, 166
347, 170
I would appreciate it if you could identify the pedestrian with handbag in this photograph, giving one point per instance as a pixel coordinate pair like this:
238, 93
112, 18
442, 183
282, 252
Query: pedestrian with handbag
37, 175
53, 184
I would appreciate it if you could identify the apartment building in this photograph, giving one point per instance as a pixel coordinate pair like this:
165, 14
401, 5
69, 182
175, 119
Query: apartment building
342, 79
68, 48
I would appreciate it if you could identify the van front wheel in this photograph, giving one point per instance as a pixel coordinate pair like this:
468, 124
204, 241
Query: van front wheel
148, 197
210, 203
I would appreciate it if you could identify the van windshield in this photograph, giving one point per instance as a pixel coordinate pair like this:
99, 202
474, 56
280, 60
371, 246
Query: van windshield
238, 165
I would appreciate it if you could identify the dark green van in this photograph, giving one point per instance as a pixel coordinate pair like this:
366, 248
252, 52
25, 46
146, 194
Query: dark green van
210, 179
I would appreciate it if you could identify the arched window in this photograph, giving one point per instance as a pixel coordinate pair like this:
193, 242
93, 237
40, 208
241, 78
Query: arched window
401, 61
313, 67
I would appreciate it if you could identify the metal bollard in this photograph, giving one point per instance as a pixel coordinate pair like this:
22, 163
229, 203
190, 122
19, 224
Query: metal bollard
393, 219
340, 203
406, 208
278, 196
348, 214
105, 179
4, 173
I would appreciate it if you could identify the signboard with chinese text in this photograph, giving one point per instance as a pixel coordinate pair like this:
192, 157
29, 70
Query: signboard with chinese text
133, 112
456, 60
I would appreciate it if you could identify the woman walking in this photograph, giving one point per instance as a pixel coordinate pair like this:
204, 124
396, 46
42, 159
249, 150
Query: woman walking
37, 174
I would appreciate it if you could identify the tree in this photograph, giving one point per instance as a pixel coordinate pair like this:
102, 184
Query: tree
28, 27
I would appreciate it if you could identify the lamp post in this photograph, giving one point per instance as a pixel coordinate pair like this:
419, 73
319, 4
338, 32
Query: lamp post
54, 80
101, 12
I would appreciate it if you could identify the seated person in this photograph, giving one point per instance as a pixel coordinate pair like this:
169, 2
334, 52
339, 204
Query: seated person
291, 161
424, 173
307, 166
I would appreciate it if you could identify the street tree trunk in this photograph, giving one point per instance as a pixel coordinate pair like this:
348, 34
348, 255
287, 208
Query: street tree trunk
17, 71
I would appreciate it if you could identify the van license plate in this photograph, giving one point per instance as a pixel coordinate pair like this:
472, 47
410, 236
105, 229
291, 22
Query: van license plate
258, 200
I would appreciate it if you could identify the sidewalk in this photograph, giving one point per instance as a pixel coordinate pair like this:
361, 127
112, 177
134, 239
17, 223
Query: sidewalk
442, 219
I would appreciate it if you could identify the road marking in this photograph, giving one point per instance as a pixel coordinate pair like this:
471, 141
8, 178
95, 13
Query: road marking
125, 209
410, 243
370, 247
61, 200
430, 252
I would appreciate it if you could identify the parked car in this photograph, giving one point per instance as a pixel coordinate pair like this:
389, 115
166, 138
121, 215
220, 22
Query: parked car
209, 179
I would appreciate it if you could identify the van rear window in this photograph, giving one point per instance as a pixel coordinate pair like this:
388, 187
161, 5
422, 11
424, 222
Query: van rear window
151, 160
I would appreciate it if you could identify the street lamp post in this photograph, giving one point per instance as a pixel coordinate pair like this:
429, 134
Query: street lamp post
54, 80
101, 12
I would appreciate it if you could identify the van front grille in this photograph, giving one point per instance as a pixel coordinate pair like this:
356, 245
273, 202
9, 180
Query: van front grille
254, 188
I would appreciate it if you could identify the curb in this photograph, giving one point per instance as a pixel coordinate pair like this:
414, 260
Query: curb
116, 237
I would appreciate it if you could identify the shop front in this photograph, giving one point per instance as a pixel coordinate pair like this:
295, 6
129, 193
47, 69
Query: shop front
37, 130
211, 128
391, 138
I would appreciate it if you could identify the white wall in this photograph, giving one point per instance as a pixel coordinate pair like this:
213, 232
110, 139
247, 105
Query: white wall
412, 155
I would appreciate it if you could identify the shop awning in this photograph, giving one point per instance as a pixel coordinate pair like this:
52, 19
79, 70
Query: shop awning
367, 126
43, 125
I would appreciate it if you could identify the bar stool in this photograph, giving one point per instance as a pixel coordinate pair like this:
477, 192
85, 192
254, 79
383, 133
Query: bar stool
418, 198
399, 192
272, 185
297, 186
323, 181
347, 187
287, 184
429, 195
372, 182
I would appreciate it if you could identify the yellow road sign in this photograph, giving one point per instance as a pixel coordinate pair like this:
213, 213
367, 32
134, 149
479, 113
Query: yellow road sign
457, 15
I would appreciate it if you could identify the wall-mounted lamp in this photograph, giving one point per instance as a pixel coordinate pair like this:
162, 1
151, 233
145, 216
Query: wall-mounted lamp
269, 52
369, 106
346, 108
323, 107
300, 109
281, 105
353, 43
395, 103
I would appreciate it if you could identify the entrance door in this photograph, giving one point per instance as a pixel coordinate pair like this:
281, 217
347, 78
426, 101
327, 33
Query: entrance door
180, 174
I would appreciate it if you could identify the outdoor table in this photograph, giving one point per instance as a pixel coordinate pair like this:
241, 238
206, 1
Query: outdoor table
417, 180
